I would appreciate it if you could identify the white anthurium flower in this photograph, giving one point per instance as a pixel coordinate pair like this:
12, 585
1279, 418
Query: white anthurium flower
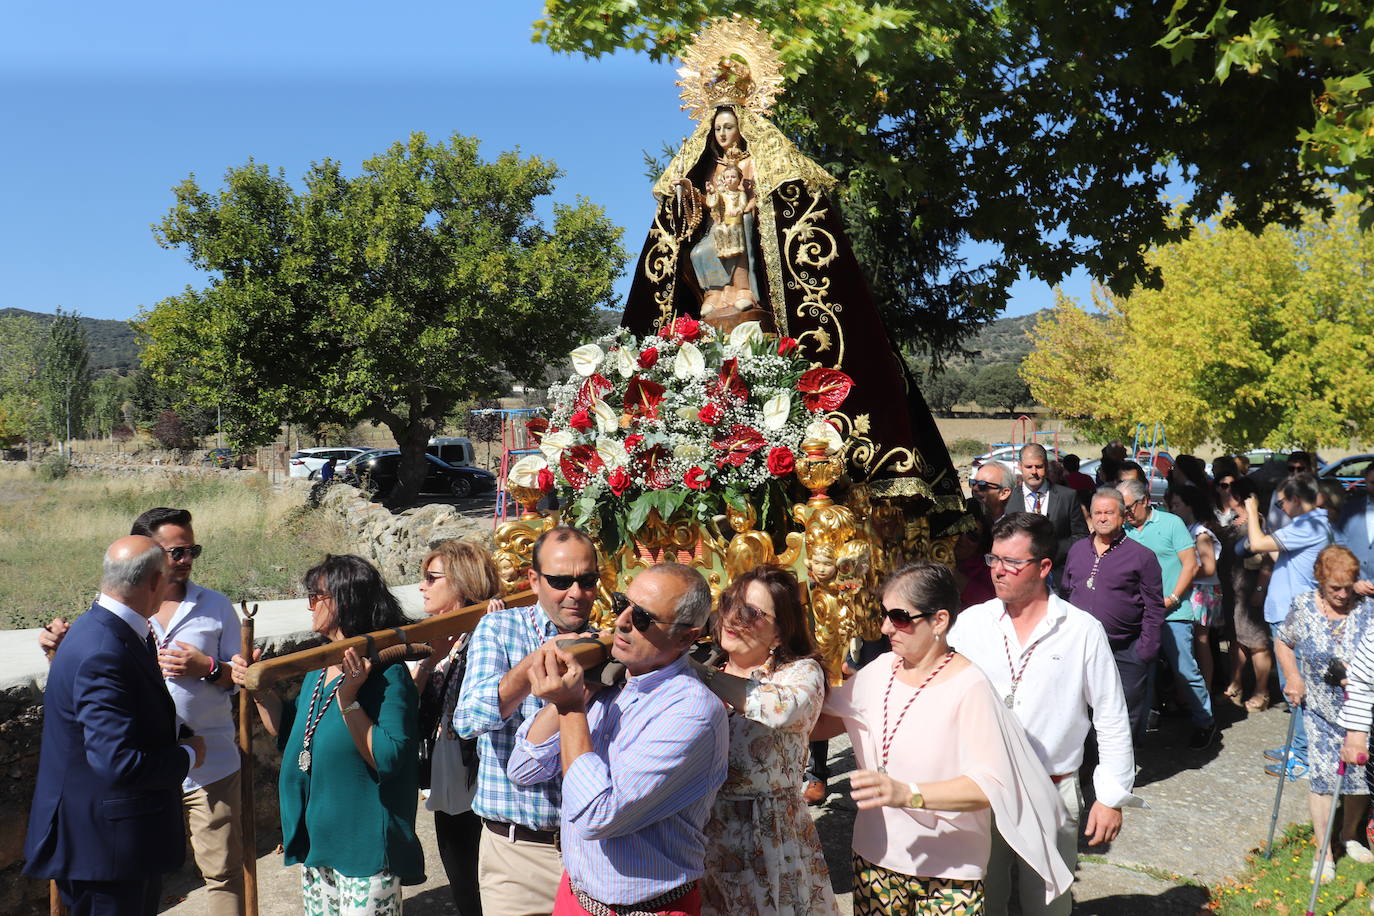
825, 431
586, 359
689, 451
777, 409
687, 413
625, 363
689, 363
611, 452
525, 472
553, 445
606, 419
746, 334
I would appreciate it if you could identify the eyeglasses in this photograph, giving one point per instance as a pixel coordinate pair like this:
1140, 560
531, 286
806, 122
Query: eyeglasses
562, 583
1297, 468
993, 559
985, 485
312, 597
180, 553
1223, 484
745, 614
1131, 507
640, 619
905, 618
432, 577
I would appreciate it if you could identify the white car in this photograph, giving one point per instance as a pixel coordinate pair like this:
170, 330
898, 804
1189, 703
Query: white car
1008, 454
308, 461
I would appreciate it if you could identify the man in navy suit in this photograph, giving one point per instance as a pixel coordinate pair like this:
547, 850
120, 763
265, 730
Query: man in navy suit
106, 821
1059, 504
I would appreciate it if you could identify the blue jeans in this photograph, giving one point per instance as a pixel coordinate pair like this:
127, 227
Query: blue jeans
1176, 642
1299, 752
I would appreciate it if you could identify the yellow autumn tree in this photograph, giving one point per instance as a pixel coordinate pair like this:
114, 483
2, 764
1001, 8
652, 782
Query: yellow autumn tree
1251, 340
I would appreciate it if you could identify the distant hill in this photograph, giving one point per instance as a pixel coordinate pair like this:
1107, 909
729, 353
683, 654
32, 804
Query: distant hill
1002, 341
113, 345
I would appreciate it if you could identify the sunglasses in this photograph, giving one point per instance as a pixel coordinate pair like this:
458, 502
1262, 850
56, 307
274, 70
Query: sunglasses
640, 619
1296, 468
984, 485
904, 618
180, 553
432, 577
1223, 485
312, 597
562, 583
746, 615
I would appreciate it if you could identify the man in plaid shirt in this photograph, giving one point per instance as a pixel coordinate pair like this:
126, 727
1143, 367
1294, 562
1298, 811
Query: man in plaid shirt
519, 864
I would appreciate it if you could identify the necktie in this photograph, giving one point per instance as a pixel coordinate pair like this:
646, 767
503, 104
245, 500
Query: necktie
152, 647
1034, 508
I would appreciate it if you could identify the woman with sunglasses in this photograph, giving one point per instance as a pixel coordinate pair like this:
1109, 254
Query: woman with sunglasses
938, 754
454, 575
349, 776
763, 854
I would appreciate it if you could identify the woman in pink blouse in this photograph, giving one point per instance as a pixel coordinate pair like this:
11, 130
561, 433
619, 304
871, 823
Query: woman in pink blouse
938, 755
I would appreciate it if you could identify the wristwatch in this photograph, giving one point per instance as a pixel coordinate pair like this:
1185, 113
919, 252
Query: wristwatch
345, 710
917, 800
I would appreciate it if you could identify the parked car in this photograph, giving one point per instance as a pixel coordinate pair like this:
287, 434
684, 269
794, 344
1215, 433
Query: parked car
353, 462
308, 461
1349, 472
379, 474
225, 458
1009, 454
456, 451
1158, 483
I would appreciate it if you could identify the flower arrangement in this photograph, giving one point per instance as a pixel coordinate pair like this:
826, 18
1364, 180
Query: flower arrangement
682, 423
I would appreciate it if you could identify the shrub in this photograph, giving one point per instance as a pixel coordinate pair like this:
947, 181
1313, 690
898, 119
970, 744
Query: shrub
121, 433
54, 466
171, 431
967, 446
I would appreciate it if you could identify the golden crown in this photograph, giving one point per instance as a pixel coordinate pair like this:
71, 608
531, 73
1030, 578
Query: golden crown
730, 62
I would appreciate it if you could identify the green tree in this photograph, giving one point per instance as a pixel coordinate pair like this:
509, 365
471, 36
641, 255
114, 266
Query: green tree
391, 296
64, 376
1047, 131
109, 393
21, 411
1000, 386
943, 389
1251, 340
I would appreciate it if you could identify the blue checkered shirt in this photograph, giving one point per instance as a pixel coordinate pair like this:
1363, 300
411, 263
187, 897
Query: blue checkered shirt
498, 644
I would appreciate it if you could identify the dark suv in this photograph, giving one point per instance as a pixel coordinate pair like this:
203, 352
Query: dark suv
379, 473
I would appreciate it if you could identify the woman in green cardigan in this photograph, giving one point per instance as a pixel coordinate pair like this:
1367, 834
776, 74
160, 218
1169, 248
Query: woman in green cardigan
349, 776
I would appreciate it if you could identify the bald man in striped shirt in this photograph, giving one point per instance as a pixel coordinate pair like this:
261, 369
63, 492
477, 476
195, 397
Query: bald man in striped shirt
640, 764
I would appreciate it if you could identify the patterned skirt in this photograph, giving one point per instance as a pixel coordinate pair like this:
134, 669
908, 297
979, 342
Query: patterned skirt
881, 891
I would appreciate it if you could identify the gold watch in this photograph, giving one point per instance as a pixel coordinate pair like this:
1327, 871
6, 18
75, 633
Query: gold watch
917, 800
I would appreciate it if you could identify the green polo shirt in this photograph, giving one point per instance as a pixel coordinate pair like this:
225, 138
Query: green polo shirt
1165, 535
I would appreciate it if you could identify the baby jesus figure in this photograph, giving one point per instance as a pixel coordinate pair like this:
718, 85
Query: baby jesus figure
728, 202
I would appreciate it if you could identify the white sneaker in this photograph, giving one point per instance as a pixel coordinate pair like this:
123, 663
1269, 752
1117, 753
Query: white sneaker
1359, 853
1328, 870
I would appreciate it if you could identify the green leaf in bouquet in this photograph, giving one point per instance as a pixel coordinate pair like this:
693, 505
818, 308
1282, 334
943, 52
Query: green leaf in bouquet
639, 511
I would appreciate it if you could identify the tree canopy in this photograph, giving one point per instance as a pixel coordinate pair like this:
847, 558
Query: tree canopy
391, 296
1251, 340
1047, 130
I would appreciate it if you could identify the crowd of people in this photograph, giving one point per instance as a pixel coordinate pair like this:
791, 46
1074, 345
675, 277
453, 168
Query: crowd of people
1074, 613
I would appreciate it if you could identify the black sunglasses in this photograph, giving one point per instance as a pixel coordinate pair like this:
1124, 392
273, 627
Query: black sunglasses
904, 618
985, 485
179, 553
563, 583
640, 619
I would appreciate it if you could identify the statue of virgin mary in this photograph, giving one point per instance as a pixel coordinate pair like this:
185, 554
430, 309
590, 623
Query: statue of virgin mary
795, 271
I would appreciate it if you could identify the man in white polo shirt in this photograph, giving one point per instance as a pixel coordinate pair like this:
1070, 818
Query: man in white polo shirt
1051, 664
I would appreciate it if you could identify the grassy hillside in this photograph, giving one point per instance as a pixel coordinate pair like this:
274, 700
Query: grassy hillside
113, 346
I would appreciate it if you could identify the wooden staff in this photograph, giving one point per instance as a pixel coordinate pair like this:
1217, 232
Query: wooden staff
463, 620
55, 905
247, 812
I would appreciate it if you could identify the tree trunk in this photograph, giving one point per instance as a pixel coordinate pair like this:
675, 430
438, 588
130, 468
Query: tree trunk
412, 438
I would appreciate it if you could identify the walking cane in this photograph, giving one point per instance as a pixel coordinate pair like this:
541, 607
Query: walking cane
1283, 777
247, 816
1320, 861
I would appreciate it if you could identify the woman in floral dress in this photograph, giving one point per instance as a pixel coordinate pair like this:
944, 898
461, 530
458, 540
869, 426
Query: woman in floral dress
763, 855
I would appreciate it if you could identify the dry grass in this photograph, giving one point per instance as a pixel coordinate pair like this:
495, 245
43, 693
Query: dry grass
53, 534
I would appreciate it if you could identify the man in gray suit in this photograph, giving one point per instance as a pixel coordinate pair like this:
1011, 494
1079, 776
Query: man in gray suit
1355, 530
1059, 504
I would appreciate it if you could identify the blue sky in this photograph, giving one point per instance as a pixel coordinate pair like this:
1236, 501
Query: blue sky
110, 105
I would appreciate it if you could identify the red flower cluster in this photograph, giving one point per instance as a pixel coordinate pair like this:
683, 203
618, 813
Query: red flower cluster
686, 329
545, 480
781, 462
581, 420
618, 481
696, 478
786, 345
710, 414
648, 358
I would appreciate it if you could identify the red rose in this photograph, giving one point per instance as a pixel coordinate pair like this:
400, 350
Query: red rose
632, 442
786, 345
618, 481
686, 328
696, 478
710, 414
781, 462
648, 357
546, 480
580, 420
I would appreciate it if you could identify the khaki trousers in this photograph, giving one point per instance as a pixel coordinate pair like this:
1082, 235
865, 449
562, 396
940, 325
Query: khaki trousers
518, 878
999, 883
217, 842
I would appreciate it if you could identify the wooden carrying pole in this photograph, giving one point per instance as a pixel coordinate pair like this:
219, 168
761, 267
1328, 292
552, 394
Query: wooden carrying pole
247, 819
271, 670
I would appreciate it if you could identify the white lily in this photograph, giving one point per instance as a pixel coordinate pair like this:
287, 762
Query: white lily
689, 363
606, 419
525, 472
625, 364
746, 334
587, 359
553, 445
776, 410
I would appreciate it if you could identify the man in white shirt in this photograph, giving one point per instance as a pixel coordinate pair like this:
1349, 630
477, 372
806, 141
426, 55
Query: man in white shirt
1051, 663
196, 633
